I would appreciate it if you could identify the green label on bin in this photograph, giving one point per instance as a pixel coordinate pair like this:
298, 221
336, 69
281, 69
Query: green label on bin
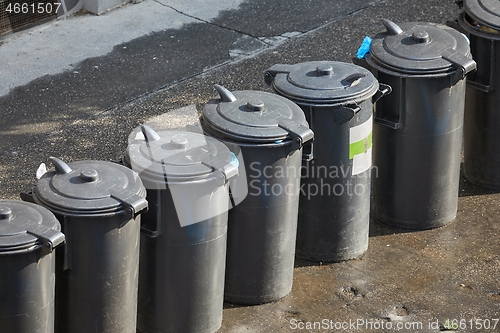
360, 146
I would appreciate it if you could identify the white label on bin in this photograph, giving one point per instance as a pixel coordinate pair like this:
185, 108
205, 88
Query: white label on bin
360, 146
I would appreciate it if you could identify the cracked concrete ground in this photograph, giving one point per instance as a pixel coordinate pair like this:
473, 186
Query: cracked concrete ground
75, 89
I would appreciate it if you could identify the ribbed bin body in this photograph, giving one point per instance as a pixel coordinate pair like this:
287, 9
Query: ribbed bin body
417, 166
482, 119
98, 205
181, 278
27, 292
418, 128
28, 237
334, 209
97, 275
266, 132
184, 234
263, 227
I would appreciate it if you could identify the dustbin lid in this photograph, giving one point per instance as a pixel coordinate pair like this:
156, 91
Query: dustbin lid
486, 12
255, 116
420, 49
26, 227
323, 82
170, 156
86, 188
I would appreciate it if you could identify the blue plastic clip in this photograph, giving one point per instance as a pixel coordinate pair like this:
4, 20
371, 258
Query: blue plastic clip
364, 48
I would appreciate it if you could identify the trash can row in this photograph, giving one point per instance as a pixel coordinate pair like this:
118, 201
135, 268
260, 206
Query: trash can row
230, 208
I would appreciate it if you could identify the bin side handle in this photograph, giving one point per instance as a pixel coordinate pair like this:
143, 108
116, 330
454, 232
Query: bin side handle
308, 148
389, 123
154, 233
308, 155
157, 219
484, 87
345, 113
27, 196
271, 73
455, 25
383, 90
67, 258
150, 233
480, 86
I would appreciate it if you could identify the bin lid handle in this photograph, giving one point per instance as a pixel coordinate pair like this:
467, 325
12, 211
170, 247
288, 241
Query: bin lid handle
392, 27
149, 134
61, 167
225, 94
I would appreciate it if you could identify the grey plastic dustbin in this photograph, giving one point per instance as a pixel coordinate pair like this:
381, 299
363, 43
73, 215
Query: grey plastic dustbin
418, 127
98, 205
183, 237
480, 20
270, 131
28, 236
334, 208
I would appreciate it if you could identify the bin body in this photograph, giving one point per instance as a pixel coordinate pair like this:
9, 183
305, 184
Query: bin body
268, 132
334, 207
28, 235
99, 206
418, 127
183, 236
263, 227
481, 135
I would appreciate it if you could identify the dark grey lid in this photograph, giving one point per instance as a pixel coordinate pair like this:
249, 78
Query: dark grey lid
420, 49
486, 12
322, 82
170, 156
255, 116
27, 227
91, 188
